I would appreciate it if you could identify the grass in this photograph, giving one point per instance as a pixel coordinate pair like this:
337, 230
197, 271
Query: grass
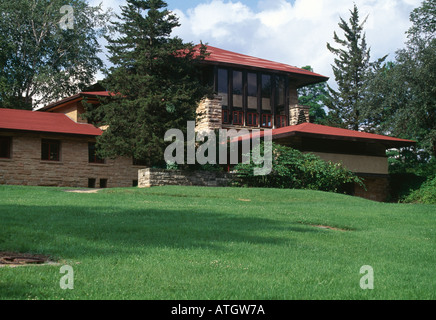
215, 243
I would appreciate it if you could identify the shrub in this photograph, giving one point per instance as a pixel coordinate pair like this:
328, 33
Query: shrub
426, 194
296, 170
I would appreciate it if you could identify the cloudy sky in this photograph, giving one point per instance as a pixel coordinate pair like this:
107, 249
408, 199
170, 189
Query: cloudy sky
294, 32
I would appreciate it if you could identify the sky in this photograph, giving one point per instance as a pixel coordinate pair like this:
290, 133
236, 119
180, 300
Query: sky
293, 32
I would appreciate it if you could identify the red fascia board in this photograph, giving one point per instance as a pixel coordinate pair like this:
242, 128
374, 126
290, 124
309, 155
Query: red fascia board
36, 121
326, 132
228, 57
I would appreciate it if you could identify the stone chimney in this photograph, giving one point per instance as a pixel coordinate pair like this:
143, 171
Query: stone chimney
298, 114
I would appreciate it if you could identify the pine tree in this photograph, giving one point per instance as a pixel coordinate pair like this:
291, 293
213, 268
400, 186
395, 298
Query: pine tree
155, 81
352, 68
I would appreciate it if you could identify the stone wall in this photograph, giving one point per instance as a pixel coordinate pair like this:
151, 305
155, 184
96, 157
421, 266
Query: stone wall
377, 188
159, 177
73, 170
209, 114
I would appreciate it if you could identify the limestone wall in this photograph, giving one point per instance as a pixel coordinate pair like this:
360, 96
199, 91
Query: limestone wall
73, 170
159, 177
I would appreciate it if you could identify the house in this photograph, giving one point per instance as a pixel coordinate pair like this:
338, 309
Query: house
55, 146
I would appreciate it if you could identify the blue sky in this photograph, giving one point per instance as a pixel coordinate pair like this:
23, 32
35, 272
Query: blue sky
294, 32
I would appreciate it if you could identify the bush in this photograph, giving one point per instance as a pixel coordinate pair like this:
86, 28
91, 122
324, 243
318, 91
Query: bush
426, 194
296, 170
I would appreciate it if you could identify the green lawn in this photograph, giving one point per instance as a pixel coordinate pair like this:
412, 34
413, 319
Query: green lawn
212, 243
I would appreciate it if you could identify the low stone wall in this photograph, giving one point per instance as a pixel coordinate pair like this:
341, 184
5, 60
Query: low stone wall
159, 177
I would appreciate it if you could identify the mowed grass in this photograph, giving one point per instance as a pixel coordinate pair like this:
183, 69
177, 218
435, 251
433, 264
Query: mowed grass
215, 243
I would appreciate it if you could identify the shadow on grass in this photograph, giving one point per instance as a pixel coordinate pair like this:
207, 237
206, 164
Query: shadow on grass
77, 232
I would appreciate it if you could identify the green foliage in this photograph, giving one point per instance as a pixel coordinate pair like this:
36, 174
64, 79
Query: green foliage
314, 96
425, 194
296, 170
40, 61
351, 69
402, 98
156, 81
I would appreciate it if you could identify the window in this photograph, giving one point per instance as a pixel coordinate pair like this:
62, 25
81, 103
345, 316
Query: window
93, 158
238, 117
225, 116
237, 89
50, 150
251, 119
266, 121
280, 121
5, 147
223, 86
266, 92
103, 183
252, 91
91, 183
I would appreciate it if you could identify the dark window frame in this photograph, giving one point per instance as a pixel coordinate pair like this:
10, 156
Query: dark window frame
51, 145
240, 117
281, 119
268, 116
274, 79
6, 143
225, 116
250, 116
92, 156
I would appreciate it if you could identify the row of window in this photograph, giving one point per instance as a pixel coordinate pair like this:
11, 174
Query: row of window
253, 98
252, 119
50, 150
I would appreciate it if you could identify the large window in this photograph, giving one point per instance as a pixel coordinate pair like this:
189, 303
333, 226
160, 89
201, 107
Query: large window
92, 154
50, 150
237, 90
223, 86
252, 98
266, 93
5, 147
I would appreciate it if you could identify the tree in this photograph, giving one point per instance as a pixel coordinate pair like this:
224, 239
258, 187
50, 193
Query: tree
155, 80
402, 99
48, 50
351, 70
314, 96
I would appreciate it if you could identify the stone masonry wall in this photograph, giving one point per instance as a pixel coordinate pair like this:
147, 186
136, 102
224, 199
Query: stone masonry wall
73, 170
159, 177
209, 114
377, 189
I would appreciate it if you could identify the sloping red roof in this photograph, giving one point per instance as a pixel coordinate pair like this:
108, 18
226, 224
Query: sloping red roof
320, 131
233, 58
44, 122
76, 96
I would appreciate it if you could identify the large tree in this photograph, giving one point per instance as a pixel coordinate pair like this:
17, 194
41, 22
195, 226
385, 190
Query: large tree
402, 95
155, 81
314, 96
48, 50
351, 69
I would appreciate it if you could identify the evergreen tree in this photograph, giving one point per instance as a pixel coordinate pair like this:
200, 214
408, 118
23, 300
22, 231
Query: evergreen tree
314, 96
402, 94
352, 68
155, 81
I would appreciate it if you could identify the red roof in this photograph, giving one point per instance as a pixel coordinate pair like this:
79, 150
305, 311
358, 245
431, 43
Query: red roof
316, 130
229, 57
44, 122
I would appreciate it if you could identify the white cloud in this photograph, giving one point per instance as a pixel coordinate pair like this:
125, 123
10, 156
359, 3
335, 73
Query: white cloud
296, 33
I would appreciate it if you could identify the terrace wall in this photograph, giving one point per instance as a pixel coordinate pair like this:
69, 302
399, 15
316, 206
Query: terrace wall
159, 177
